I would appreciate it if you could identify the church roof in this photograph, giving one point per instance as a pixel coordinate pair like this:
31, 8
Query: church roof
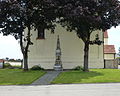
109, 49
105, 34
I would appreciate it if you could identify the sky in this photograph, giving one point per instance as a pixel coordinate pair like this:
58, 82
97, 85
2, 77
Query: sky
114, 37
9, 47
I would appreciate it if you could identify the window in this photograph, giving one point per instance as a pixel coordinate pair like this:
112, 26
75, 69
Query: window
41, 33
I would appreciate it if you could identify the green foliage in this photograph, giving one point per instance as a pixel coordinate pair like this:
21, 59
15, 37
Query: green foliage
7, 65
37, 67
78, 68
16, 66
118, 58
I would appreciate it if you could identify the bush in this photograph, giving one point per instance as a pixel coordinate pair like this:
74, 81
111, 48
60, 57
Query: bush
7, 65
17, 66
36, 67
78, 68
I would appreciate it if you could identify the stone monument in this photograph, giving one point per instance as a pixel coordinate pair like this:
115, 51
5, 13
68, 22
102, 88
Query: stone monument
58, 62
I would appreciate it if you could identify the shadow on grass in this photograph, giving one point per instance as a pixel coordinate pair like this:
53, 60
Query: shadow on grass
76, 77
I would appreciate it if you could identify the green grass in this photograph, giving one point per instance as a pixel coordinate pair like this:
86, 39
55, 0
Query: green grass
18, 76
94, 76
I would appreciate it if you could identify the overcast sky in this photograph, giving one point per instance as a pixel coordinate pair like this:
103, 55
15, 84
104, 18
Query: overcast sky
114, 37
9, 47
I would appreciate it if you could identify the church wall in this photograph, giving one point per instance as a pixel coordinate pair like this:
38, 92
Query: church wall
42, 52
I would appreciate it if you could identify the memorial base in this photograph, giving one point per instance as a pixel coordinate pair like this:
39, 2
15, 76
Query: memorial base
58, 67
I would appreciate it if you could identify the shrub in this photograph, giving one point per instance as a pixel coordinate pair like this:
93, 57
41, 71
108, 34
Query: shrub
78, 68
36, 67
16, 66
7, 65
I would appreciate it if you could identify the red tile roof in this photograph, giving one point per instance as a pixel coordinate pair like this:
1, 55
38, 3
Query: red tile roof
1, 60
109, 49
105, 34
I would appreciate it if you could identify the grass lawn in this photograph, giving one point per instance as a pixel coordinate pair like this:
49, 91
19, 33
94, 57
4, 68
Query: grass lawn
17, 76
94, 76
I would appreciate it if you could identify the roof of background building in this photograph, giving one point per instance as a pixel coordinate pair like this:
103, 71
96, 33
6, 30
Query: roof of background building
1, 60
105, 34
109, 49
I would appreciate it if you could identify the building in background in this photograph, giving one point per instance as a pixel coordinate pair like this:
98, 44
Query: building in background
109, 50
109, 53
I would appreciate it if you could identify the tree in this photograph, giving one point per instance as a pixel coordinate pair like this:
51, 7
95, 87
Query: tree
7, 58
118, 52
118, 56
19, 17
86, 16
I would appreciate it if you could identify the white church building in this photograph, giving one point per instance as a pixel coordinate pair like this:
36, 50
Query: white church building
43, 50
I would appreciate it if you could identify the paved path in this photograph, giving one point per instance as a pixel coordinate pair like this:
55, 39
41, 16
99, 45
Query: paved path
47, 78
110, 89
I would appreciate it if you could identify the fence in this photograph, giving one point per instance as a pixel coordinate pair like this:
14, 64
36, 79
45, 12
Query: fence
111, 64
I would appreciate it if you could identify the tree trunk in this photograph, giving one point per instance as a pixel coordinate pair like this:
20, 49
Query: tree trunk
25, 54
86, 55
24, 49
25, 62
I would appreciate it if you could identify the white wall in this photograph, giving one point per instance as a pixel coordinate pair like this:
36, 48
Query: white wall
105, 41
14, 63
43, 51
109, 56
